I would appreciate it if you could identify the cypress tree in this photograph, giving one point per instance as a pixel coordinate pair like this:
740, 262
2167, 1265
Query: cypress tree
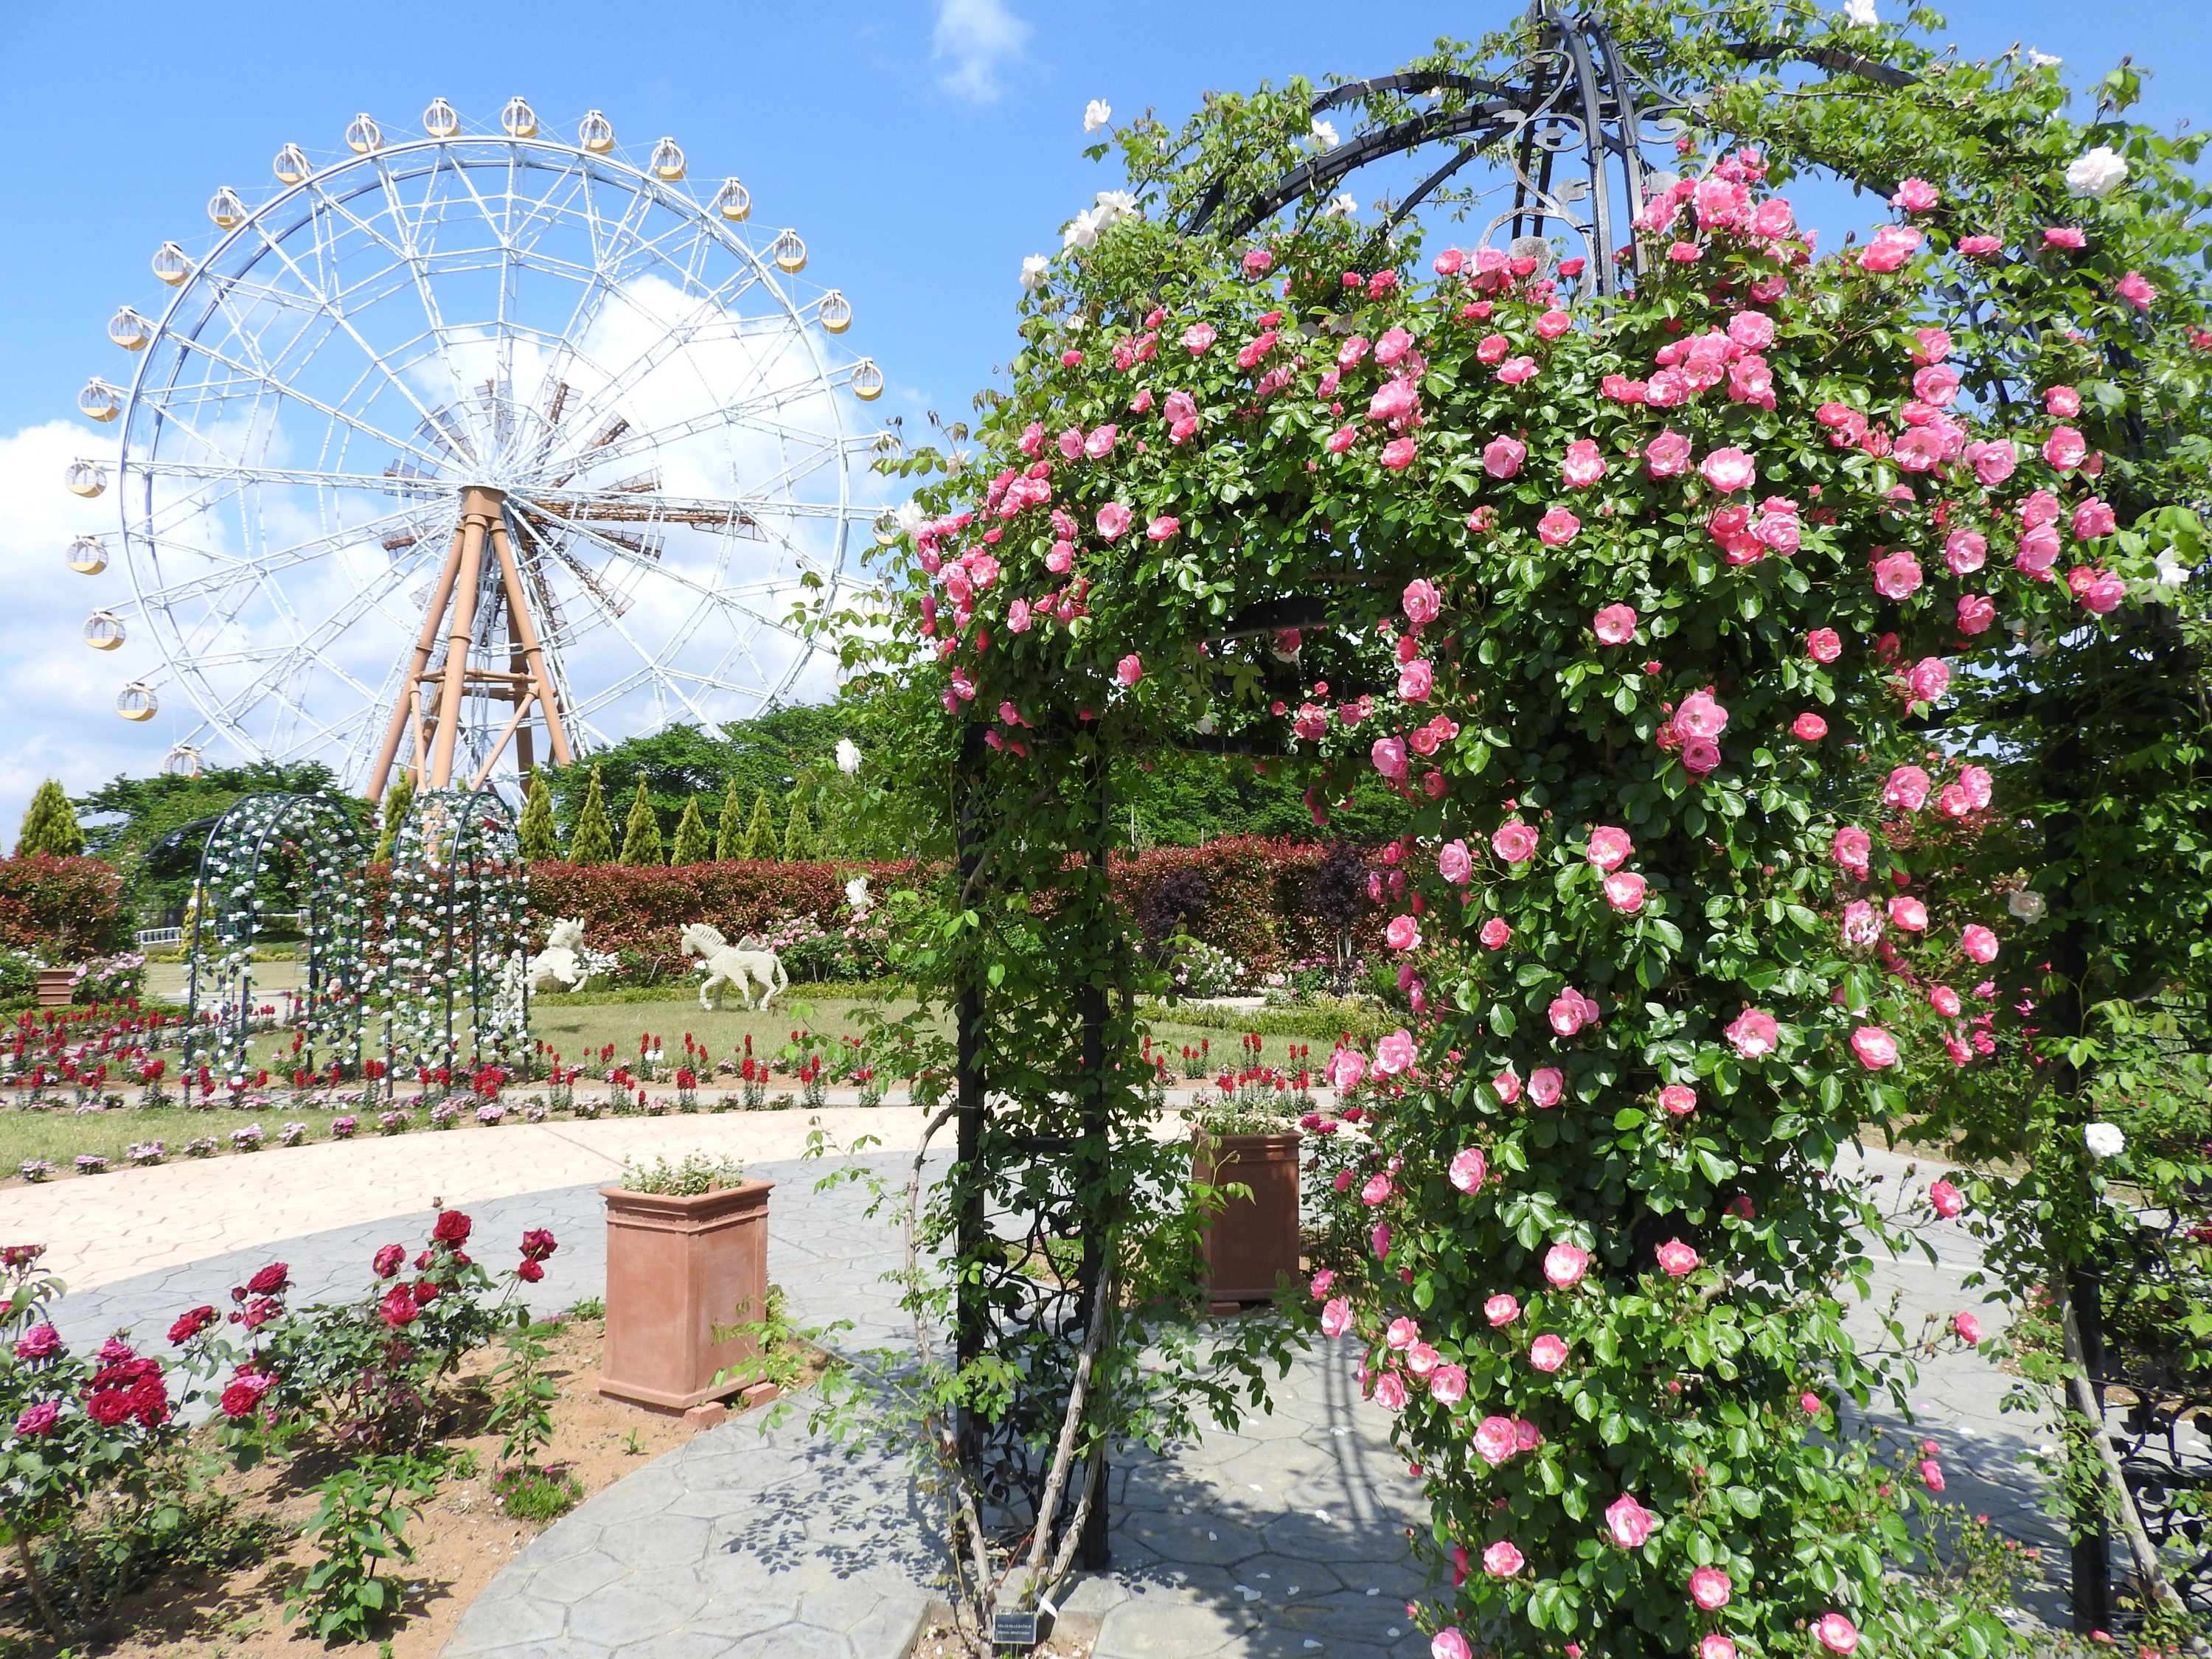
692, 846
729, 828
798, 833
397, 800
535, 830
50, 825
760, 835
593, 842
641, 831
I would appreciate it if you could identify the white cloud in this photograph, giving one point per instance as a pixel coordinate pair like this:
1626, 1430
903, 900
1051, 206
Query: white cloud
59, 694
974, 38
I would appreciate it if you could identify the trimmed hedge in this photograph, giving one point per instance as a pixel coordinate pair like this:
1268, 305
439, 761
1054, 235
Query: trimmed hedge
61, 910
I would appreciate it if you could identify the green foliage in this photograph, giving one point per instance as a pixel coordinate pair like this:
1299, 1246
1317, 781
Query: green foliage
592, 842
798, 838
730, 838
49, 826
536, 1495
523, 1394
358, 1527
760, 833
688, 1176
693, 845
641, 831
535, 829
397, 799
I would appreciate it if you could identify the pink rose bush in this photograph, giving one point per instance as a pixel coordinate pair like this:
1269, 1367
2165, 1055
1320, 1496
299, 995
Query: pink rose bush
1666, 920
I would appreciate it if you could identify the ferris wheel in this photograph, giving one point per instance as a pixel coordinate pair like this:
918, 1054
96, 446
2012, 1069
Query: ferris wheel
462, 443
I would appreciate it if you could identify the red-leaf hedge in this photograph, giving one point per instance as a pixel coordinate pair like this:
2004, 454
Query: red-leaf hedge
61, 910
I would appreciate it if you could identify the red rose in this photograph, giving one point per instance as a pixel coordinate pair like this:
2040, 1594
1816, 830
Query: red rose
538, 1244
190, 1325
272, 1279
398, 1308
389, 1261
425, 1292
453, 1228
109, 1407
529, 1273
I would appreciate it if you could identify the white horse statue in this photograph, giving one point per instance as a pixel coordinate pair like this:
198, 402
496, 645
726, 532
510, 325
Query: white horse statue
728, 964
559, 960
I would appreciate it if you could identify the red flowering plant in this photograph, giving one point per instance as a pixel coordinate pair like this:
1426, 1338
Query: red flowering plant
74, 1427
1648, 636
365, 1372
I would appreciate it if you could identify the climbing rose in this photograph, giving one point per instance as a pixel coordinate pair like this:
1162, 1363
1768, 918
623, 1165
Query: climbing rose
1388, 755
1944, 1000
1709, 1589
1978, 941
1494, 1440
1514, 841
1455, 863
1583, 466
1130, 669
1699, 716
1908, 913
1403, 933
1608, 848
1568, 1013
1930, 678
2136, 291
1875, 1047
1931, 1474
1809, 727
1623, 890
1728, 470
1546, 1084
2065, 448
1449, 1644
1336, 1316
1976, 613
1667, 456
1914, 196
1629, 1521
1679, 1098
1753, 1033
1677, 1258
1344, 1069
1495, 934
1113, 519
1547, 1353
1556, 527
1502, 456
1717, 1646
1615, 624
2104, 1141
1824, 645
1468, 1170
1565, 1265
1198, 337
1853, 848
1448, 1384
1501, 1310
1395, 1052
1896, 577
1907, 788
1500, 1560
1421, 603
1967, 1327
1398, 454
1162, 528
1390, 1391
2098, 172
1506, 1085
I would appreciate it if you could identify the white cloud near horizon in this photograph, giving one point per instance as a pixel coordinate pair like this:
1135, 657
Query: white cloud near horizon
974, 38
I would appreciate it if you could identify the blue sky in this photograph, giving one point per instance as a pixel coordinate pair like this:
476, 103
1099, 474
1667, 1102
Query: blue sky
921, 146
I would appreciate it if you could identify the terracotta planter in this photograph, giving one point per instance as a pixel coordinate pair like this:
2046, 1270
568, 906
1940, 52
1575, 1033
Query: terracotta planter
54, 987
1253, 1241
678, 1267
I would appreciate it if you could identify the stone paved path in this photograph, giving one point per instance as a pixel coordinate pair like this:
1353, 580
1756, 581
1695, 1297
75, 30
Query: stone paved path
1284, 1538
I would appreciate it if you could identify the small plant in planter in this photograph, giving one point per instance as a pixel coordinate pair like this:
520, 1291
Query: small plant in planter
1245, 1163
687, 1261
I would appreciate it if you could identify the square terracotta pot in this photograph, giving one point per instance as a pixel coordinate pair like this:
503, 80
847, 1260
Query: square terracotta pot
677, 1267
1250, 1241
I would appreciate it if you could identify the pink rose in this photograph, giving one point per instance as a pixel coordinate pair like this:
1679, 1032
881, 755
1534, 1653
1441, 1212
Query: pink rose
1403, 933
1853, 848
1390, 1391
1914, 196
1321, 1281
1583, 466
1608, 848
1623, 890
1993, 462
1718, 1646
1615, 624
1967, 1327
1679, 1098
1526, 1437
2136, 291
1500, 1560
1376, 1191
1836, 1633
1701, 716
1546, 1084
1162, 528
1861, 923
1514, 370
1944, 1000
1501, 1311
1495, 934
1449, 1644
1556, 527
1100, 443
1398, 454
1976, 612
1978, 247
1113, 519
1494, 1440
1506, 1085
1928, 679
1388, 755
1448, 1384
1908, 913
1342, 438
1700, 756
1728, 470
2094, 518
1975, 780
1198, 337
1667, 456
1897, 576
1947, 1199
1566, 1012
1824, 645
1455, 863
1978, 941
1502, 456
1931, 1474
1469, 1168
1421, 602
1564, 1265
1629, 1521
1061, 558
1907, 788
2065, 448
1547, 1353
1677, 1258
1753, 1033
1416, 679
1876, 1048
2101, 593
1130, 669
1966, 551
1344, 1069
1514, 841
1809, 727
1395, 1054
1709, 1589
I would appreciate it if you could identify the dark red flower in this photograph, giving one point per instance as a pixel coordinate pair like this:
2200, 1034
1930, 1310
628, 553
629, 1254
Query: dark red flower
271, 1280
115, 1352
390, 1259
190, 1325
149, 1401
453, 1228
244, 1393
529, 1273
109, 1406
398, 1308
537, 1243
425, 1292
259, 1311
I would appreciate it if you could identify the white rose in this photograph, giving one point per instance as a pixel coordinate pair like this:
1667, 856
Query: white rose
2104, 1140
2042, 59
1033, 270
910, 517
1082, 232
1114, 205
1342, 206
1859, 14
2026, 904
1095, 114
848, 757
2099, 173
856, 893
1324, 134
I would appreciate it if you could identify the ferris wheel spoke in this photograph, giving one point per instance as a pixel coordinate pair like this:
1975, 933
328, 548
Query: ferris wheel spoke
268, 564
748, 415
268, 381
631, 557
407, 253
397, 483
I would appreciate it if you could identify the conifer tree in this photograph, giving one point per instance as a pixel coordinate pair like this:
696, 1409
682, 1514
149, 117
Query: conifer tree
642, 832
798, 833
50, 826
540, 844
692, 846
593, 841
759, 834
397, 800
729, 828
